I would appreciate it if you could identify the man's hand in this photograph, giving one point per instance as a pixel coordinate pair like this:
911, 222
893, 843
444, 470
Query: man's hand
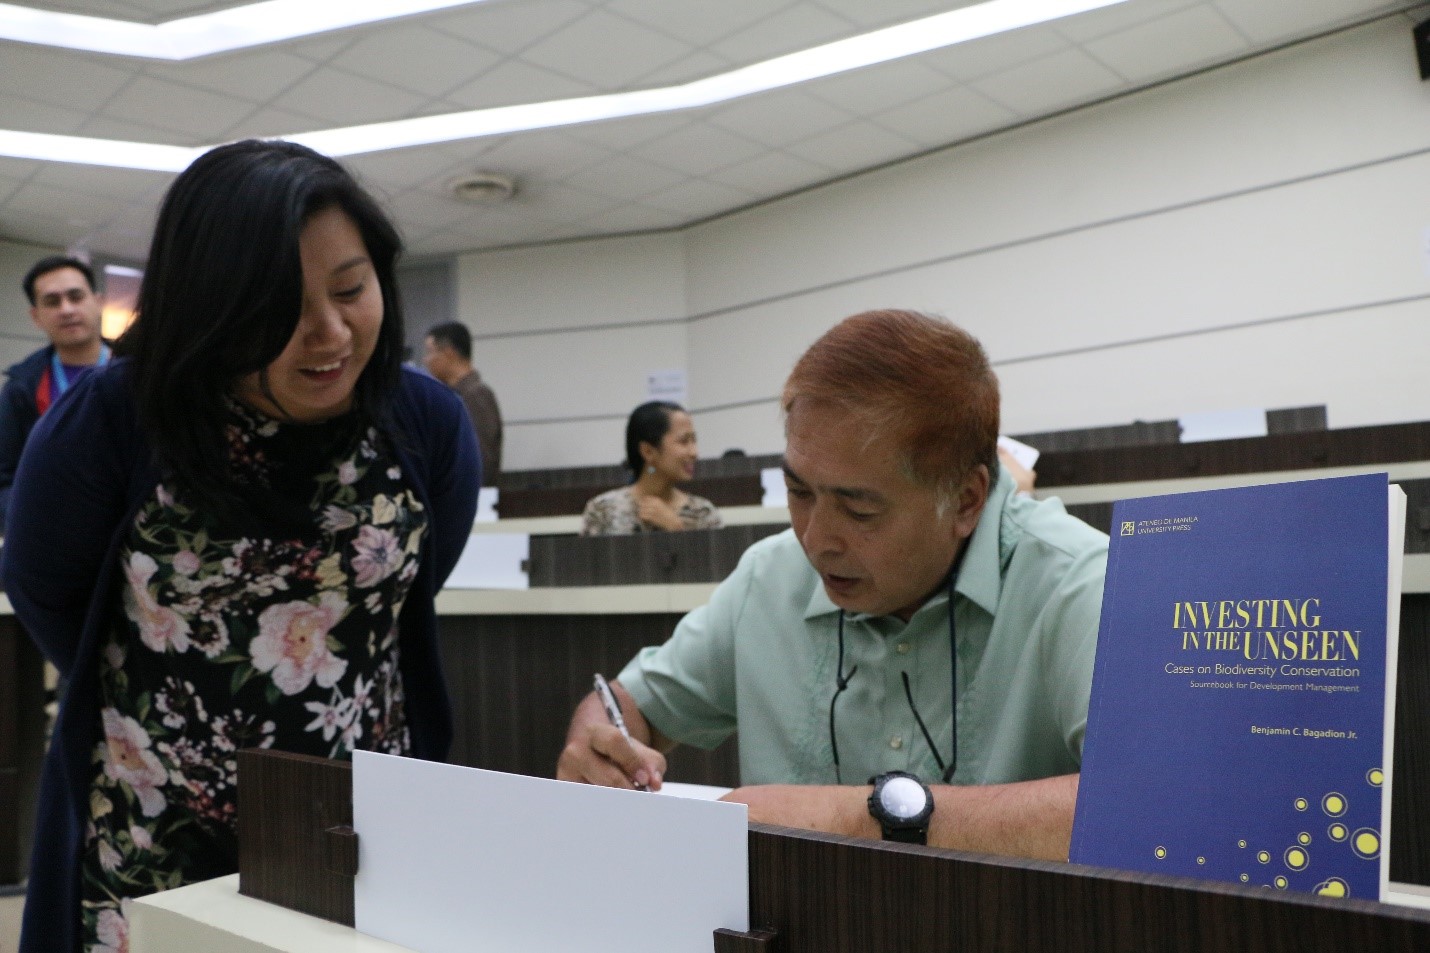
597, 753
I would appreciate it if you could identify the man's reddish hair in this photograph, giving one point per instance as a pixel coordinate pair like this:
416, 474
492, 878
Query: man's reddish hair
914, 379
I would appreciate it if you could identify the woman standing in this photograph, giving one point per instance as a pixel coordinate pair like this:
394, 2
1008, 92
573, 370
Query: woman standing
660, 452
234, 536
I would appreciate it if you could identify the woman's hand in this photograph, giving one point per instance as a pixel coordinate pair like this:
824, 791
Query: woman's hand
653, 511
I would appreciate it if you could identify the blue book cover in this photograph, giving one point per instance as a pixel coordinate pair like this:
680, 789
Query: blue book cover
1237, 729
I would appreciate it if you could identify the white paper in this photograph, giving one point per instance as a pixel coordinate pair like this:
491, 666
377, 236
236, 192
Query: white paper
487, 504
493, 561
1223, 424
701, 792
454, 859
772, 481
668, 385
1026, 456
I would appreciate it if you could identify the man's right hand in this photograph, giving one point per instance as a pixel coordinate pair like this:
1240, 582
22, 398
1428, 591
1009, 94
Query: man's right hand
597, 753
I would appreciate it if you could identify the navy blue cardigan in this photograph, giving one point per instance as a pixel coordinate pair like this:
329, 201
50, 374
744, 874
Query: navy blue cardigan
85, 472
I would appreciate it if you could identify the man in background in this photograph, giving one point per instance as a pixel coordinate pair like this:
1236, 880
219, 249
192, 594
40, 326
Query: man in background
448, 357
64, 305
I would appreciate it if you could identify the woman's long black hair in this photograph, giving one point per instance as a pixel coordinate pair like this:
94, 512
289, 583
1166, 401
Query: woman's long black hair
648, 423
222, 294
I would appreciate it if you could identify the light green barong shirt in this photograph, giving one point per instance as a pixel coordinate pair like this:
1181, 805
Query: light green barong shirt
761, 657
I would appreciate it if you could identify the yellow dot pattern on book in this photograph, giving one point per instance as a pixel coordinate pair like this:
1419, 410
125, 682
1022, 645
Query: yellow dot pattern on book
1334, 887
1333, 804
1337, 832
1281, 883
1241, 844
1161, 853
1366, 843
1375, 777
1264, 856
1201, 860
1296, 858
1302, 804
1303, 839
1245, 878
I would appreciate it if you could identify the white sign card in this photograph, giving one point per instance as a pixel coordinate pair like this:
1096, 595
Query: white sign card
454, 859
1026, 456
772, 481
487, 504
668, 385
493, 561
1223, 424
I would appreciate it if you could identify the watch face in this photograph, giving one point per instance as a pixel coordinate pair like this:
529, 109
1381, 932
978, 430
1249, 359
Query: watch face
903, 798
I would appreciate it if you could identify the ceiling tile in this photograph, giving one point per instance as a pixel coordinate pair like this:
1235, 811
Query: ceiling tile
511, 27
697, 65
994, 54
1118, 17
877, 88
515, 82
778, 117
123, 185
632, 218
858, 145
771, 174
422, 210
698, 23
340, 98
397, 169
887, 12
266, 123
698, 149
46, 201
795, 28
625, 178
556, 202
26, 115
61, 78
549, 154
7, 188
320, 48
101, 127
697, 198
193, 114
255, 75
605, 50
1050, 83
1271, 22
1173, 43
946, 117
417, 59
20, 168
624, 135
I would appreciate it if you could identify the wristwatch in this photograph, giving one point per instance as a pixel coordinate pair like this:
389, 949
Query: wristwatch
902, 804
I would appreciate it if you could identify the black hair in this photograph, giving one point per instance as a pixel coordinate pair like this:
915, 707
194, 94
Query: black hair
54, 263
223, 292
648, 423
453, 334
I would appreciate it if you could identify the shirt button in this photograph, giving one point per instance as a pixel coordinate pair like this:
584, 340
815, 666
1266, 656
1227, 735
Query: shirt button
902, 648
896, 742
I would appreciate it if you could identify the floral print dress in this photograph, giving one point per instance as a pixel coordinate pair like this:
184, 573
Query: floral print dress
274, 629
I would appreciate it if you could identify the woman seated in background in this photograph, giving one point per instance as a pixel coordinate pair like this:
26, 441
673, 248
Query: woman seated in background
233, 536
660, 452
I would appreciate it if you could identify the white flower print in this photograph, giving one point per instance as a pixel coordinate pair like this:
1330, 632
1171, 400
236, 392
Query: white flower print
378, 556
186, 562
347, 473
331, 718
160, 628
127, 759
141, 837
394, 473
113, 932
109, 858
336, 519
292, 643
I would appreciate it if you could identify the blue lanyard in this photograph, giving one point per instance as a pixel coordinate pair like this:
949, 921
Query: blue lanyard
57, 369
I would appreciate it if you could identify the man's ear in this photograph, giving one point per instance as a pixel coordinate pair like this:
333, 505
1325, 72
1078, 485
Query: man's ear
35, 317
972, 496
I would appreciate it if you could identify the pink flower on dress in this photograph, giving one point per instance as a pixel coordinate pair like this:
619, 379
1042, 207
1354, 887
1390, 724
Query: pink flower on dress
378, 556
141, 837
113, 932
127, 759
109, 858
186, 562
347, 473
160, 628
292, 643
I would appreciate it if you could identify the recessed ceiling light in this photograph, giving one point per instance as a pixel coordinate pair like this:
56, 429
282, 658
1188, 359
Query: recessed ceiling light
483, 188
235, 28
879, 46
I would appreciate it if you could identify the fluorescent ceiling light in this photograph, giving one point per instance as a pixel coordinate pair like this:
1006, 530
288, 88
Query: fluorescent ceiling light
880, 46
233, 29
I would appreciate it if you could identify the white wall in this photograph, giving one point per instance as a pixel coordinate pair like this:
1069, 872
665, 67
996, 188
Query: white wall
1247, 237
18, 334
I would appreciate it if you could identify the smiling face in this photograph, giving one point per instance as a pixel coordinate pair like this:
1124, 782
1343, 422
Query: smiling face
876, 538
67, 310
675, 458
313, 379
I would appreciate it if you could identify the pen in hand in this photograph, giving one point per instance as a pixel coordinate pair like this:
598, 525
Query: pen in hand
613, 712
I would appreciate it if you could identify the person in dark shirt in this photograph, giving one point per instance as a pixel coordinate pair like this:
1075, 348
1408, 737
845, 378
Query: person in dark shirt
448, 357
64, 305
